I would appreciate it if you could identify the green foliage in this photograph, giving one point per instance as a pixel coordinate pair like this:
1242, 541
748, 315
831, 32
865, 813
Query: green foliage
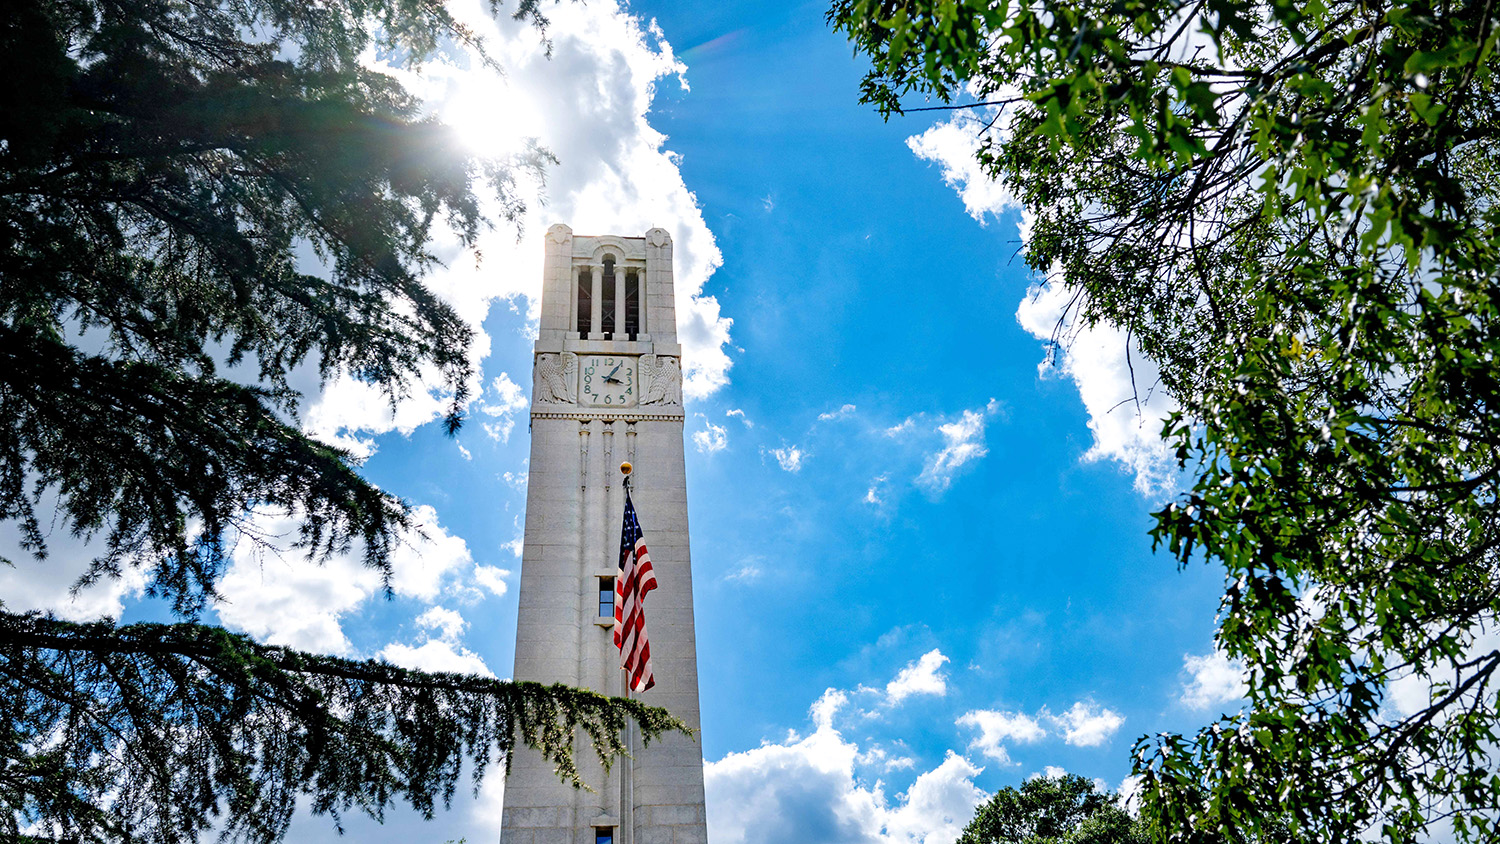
1291, 207
1053, 810
198, 197
147, 732
158, 175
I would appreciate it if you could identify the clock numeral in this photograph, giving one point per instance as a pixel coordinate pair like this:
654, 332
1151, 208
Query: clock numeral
609, 399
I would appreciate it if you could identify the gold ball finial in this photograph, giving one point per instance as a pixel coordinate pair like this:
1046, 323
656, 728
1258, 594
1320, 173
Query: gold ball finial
625, 469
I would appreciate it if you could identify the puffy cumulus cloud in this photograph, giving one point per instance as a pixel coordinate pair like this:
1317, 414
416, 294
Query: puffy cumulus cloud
1211, 679
1414, 692
1118, 386
952, 145
875, 494
789, 457
712, 438
1087, 724
492, 578
1130, 794
436, 655
419, 564
442, 650
448, 624
922, 677
963, 443
846, 410
501, 403
807, 789
48, 585
996, 729
588, 105
1051, 772
273, 592
1125, 411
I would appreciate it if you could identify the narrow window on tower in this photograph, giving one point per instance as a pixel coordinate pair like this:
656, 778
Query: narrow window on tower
604, 835
585, 302
608, 316
606, 597
632, 305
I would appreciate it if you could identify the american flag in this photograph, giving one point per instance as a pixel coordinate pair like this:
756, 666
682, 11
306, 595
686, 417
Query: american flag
634, 581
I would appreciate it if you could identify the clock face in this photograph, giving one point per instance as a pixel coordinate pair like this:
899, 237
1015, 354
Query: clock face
607, 380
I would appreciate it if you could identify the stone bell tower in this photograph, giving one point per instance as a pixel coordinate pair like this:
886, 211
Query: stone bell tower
607, 388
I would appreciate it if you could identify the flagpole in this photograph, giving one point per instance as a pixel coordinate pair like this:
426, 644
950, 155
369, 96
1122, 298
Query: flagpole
627, 795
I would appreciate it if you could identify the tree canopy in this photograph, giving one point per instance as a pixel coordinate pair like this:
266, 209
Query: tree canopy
1065, 809
1291, 208
197, 197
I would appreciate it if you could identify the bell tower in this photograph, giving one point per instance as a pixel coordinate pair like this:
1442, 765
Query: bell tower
606, 389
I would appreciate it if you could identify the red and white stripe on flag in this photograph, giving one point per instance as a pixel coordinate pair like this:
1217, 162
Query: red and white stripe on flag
635, 580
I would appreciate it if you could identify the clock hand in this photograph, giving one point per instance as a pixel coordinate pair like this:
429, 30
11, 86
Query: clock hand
611, 375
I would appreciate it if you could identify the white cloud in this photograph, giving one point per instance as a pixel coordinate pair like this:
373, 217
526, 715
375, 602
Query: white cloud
952, 145
807, 789
47, 585
747, 571
273, 592
588, 104
873, 494
921, 677
448, 623
1088, 724
1050, 772
1413, 692
436, 655
493, 579
836, 414
1130, 794
517, 543
997, 728
1212, 679
441, 652
789, 457
963, 443
905, 425
502, 409
740, 414
516, 480
1126, 426
713, 438
1118, 386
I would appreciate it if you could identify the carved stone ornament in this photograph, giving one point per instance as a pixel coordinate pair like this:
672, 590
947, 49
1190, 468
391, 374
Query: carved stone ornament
559, 233
552, 379
663, 378
657, 237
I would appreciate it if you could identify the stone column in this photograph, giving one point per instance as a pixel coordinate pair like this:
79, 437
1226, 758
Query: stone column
596, 305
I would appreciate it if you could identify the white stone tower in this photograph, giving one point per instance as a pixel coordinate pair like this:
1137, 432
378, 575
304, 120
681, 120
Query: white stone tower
607, 388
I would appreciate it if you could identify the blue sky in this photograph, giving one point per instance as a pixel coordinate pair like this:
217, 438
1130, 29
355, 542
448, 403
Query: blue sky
921, 563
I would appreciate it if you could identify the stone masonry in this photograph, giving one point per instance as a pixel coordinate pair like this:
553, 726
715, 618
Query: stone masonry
607, 306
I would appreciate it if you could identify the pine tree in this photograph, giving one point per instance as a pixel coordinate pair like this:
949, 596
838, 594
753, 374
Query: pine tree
163, 164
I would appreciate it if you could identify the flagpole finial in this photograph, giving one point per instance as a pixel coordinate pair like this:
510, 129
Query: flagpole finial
625, 469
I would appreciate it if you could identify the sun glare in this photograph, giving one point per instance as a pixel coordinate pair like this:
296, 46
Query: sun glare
490, 117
